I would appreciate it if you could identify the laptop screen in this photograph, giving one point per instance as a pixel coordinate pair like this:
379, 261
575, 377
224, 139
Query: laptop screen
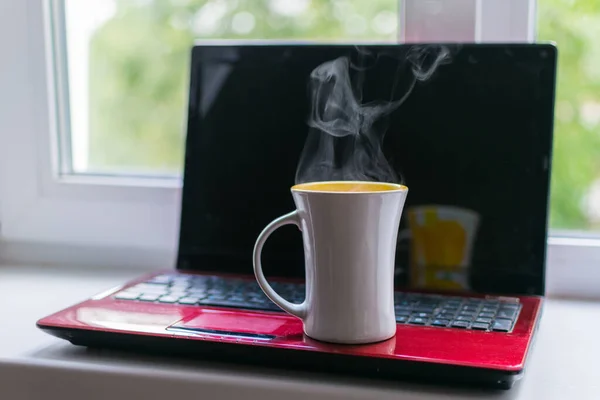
467, 128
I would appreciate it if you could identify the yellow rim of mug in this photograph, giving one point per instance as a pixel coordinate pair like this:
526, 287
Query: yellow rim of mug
303, 187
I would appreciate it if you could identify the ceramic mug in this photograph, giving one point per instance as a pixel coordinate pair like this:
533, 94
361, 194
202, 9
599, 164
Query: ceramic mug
349, 230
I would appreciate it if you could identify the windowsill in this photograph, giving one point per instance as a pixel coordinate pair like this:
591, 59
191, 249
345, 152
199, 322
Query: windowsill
563, 363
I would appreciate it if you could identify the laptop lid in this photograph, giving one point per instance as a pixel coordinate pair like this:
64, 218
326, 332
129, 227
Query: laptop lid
467, 128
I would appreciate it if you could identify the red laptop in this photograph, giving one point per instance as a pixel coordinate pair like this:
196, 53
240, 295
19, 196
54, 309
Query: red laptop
472, 142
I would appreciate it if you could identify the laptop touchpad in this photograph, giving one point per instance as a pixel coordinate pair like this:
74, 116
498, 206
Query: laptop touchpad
238, 324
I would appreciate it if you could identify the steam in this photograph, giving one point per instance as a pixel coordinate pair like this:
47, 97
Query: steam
346, 135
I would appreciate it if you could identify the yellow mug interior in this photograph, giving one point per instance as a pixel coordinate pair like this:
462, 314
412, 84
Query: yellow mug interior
348, 187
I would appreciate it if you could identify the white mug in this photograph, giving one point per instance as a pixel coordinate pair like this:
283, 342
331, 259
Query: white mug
349, 230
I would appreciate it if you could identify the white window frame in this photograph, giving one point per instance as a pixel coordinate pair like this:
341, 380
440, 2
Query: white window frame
46, 217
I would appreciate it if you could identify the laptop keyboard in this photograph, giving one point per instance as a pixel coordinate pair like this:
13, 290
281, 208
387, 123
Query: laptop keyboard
411, 308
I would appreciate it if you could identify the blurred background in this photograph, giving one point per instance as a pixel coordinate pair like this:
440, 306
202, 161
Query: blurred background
128, 71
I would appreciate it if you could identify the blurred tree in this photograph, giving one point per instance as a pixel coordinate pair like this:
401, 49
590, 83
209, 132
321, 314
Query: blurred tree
575, 27
139, 65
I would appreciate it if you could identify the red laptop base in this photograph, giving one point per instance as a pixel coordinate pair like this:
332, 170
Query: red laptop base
270, 338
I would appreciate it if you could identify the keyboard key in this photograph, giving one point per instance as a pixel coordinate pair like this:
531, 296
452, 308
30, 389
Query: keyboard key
146, 288
177, 294
502, 325
506, 313
127, 295
160, 279
401, 319
182, 278
486, 315
464, 318
451, 304
440, 322
509, 305
189, 300
428, 303
268, 306
197, 291
417, 321
449, 310
149, 297
483, 320
489, 309
445, 315
460, 324
429, 298
168, 299
424, 309
181, 285
491, 303
470, 308
467, 313
421, 315
480, 326
402, 312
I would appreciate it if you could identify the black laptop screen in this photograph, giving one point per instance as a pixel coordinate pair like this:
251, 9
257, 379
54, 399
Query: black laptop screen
472, 143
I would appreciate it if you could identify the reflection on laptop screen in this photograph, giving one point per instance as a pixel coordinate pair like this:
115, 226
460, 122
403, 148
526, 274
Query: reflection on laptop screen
472, 142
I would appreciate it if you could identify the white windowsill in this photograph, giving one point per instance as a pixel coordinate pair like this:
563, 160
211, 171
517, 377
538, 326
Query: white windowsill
563, 363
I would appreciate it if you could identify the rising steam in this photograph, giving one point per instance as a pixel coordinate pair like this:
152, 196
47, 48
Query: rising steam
346, 135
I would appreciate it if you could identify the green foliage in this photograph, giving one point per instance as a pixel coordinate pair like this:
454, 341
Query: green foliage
139, 73
139, 67
574, 26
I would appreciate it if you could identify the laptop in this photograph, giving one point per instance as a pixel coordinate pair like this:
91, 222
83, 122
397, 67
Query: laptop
472, 141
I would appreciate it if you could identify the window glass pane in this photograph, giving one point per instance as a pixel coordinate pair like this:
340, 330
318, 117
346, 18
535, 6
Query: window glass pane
575, 27
128, 66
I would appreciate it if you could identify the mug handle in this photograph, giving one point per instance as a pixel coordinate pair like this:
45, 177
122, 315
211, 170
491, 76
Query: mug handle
298, 310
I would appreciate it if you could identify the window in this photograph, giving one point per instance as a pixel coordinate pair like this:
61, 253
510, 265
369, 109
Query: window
575, 199
113, 69
93, 115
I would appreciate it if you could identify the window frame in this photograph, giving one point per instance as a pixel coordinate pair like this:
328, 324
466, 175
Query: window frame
47, 216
